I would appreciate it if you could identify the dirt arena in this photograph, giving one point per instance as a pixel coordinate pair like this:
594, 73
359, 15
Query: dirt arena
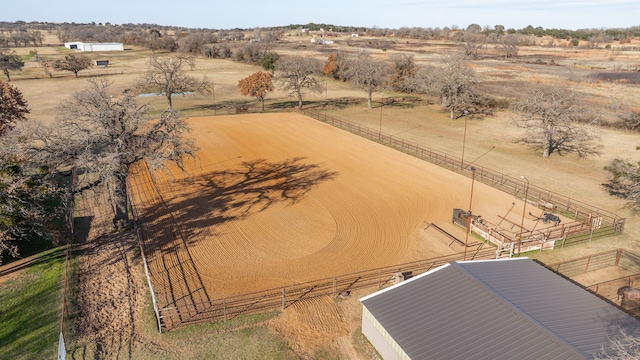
278, 199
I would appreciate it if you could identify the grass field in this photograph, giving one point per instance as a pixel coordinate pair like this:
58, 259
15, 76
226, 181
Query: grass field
489, 142
30, 306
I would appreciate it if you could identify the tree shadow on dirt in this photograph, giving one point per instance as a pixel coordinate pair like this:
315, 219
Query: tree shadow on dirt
233, 194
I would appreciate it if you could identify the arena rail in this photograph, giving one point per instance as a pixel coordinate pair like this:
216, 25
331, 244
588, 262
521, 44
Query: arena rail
281, 298
599, 221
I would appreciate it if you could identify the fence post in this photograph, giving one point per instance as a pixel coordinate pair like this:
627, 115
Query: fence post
224, 309
284, 297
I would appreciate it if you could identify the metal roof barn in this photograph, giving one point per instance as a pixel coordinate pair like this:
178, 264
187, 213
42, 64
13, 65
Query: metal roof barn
94, 46
493, 309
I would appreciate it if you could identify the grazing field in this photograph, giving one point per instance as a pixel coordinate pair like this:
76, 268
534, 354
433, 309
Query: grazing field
279, 199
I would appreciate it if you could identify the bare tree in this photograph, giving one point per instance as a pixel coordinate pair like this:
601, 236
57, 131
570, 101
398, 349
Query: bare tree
551, 115
13, 107
472, 40
623, 347
73, 63
630, 120
166, 77
258, 84
508, 45
10, 61
454, 83
297, 75
103, 136
367, 73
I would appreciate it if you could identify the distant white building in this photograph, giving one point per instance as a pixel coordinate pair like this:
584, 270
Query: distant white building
321, 41
94, 46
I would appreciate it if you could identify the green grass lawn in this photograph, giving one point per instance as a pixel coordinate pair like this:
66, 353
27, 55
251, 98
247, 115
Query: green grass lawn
30, 306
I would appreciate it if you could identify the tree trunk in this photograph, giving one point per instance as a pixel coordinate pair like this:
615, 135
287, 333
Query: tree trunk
369, 99
262, 101
169, 101
120, 199
300, 100
452, 114
546, 151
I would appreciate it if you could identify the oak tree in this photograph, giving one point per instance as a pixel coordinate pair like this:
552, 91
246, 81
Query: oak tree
404, 69
29, 205
10, 61
73, 63
269, 61
367, 73
258, 84
624, 181
166, 76
13, 107
26, 207
332, 66
454, 83
553, 118
104, 135
472, 40
297, 75
508, 45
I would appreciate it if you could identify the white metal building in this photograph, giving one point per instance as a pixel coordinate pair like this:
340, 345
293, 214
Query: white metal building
94, 46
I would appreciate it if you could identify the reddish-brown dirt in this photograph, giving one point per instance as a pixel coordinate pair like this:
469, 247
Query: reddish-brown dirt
277, 199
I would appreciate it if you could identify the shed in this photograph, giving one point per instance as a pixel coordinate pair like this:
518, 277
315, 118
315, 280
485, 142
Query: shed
493, 309
82, 46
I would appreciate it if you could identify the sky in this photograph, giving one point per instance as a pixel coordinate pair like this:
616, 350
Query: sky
246, 14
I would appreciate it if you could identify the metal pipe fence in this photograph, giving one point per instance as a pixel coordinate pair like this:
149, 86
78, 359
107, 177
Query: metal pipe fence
281, 298
600, 221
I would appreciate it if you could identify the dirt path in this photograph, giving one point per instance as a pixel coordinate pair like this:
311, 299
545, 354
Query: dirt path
109, 292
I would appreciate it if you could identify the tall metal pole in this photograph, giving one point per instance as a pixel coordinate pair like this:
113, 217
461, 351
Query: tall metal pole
466, 238
381, 105
464, 140
526, 194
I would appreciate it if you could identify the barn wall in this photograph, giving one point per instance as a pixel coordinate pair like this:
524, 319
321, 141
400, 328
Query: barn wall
380, 339
95, 46
102, 47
